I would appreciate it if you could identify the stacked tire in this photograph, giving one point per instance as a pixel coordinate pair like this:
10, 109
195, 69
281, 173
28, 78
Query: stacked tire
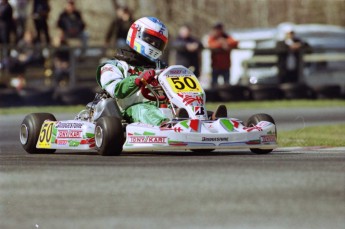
297, 91
229, 93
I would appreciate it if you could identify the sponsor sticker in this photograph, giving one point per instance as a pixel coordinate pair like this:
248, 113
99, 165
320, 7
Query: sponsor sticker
107, 69
69, 134
193, 98
69, 125
250, 129
199, 110
268, 139
61, 142
215, 139
147, 139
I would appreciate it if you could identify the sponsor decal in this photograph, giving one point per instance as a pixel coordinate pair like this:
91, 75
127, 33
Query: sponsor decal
61, 142
195, 125
69, 134
147, 139
236, 123
177, 71
143, 124
189, 99
177, 143
250, 129
198, 110
178, 129
226, 124
107, 69
69, 125
264, 124
253, 142
73, 143
268, 138
214, 139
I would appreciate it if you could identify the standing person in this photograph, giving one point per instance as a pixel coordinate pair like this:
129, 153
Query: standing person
188, 49
221, 45
20, 15
40, 13
290, 54
72, 25
119, 27
6, 21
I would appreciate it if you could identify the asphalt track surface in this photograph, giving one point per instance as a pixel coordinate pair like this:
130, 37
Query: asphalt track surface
290, 188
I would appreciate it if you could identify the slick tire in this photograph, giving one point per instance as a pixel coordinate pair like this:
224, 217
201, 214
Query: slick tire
109, 136
212, 95
9, 98
297, 91
328, 92
75, 95
35, 97
30, 131
255, 119
266, 92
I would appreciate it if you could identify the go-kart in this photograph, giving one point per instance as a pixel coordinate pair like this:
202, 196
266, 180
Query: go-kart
101, 126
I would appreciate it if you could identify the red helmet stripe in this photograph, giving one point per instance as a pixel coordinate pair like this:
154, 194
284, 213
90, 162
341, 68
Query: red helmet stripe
156, 34
134, 34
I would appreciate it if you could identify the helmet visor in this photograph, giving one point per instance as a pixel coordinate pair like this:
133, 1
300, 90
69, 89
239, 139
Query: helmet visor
155, 41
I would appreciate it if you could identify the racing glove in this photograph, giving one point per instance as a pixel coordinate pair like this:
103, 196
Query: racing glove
147, 75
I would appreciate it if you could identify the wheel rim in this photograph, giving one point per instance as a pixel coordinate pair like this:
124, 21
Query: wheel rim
98, 136
24, 134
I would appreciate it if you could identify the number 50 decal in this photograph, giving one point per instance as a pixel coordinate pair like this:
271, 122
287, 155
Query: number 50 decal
184, 84
45, 135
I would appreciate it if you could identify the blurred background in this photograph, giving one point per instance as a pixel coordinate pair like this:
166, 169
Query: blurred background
280, 49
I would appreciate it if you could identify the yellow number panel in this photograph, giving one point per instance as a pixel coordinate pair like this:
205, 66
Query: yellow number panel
184, 84
44, 139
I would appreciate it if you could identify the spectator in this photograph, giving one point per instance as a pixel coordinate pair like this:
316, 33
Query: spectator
188, 49
40, 13
290, 54
6, 21
61, 64
221, 45
29, 53
119, 27
71, 24
20, 15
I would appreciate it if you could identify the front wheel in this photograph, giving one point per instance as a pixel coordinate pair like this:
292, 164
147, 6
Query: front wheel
109, 136
254, 120
30, 131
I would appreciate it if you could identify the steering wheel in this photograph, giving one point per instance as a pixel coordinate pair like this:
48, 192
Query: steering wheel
145, 91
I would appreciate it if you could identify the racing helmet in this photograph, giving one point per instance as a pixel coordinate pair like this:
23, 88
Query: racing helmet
148, 36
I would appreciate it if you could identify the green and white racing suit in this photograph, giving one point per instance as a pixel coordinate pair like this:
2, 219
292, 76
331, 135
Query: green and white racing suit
117, 78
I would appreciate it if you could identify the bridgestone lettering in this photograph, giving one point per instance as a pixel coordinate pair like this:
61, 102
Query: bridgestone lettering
69, 125
205, 139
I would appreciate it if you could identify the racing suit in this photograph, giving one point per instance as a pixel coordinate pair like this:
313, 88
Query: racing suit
117, 77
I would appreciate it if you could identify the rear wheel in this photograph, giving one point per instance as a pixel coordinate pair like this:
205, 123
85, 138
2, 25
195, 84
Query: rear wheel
30, 131
254, 120
109, 136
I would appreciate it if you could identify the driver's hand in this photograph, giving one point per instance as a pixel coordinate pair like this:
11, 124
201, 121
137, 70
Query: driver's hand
147, 75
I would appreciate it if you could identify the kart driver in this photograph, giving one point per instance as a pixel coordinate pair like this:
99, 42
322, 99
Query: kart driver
122, 76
